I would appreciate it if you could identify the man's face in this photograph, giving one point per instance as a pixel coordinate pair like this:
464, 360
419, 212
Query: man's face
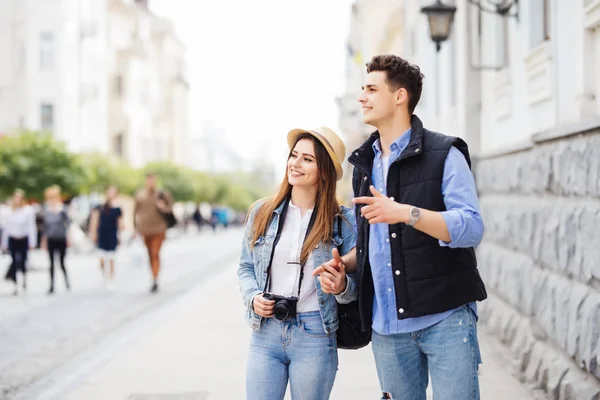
379, 101
151, 182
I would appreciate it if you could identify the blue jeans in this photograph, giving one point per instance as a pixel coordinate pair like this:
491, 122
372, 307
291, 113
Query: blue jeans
448, 351
298, 349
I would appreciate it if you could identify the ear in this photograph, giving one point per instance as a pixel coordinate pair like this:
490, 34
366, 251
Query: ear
401, 96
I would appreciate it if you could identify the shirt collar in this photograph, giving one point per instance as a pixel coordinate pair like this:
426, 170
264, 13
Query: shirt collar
292, 205
397, 147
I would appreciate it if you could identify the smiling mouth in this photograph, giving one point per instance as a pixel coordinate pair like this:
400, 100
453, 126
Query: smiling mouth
295, 174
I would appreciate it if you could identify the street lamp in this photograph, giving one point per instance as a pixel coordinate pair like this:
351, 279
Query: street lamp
440, 18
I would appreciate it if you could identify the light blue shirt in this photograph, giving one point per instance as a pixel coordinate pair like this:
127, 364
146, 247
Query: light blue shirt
462, 217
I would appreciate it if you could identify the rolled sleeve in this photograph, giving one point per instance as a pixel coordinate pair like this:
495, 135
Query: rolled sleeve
350, 293
463, 217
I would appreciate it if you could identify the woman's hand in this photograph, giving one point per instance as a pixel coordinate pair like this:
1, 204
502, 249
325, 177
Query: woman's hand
263, 307
332, 274
163, 206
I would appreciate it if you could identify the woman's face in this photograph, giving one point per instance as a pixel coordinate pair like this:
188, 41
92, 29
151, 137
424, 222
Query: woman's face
111, 193
302, 165
18, 199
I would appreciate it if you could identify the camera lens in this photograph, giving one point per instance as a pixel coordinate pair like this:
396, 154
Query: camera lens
281, 310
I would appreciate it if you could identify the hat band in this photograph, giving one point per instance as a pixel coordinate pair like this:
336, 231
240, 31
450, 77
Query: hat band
323, 139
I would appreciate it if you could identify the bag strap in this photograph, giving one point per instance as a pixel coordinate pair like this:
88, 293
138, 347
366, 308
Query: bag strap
339, 226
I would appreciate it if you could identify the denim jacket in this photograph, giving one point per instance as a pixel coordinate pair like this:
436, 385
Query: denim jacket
252, 271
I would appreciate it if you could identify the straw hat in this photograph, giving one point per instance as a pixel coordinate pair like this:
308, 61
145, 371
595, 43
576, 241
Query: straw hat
330, 140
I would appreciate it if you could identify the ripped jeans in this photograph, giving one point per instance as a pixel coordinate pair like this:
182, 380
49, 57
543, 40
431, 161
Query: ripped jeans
447, 351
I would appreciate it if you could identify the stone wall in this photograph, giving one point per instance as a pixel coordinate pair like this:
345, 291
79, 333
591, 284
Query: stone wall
540, 260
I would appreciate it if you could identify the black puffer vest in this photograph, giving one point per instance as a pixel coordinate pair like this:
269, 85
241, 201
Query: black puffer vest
428, 278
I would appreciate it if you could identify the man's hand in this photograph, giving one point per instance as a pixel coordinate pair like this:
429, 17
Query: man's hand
382, 209
332, 274
263, 307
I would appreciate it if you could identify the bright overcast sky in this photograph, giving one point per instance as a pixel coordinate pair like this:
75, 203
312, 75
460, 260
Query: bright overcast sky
258, 68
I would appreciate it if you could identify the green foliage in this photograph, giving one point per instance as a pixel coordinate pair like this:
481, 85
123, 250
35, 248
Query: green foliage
33, 161
103, 171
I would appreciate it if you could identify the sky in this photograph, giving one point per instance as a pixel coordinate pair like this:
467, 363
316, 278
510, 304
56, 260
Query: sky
259, 68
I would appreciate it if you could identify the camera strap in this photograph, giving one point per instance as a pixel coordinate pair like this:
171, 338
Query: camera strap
278, 236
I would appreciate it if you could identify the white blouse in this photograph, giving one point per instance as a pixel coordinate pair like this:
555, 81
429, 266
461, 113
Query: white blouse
285, 269
20, 223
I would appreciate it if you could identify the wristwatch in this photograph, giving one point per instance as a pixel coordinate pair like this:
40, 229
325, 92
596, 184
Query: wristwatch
415, 215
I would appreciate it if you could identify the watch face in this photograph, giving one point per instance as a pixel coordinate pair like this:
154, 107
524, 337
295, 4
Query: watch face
415, 213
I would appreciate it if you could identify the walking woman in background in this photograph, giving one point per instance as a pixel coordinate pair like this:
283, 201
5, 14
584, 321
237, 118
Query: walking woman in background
105, 224
18, 236
56, 227
293, 314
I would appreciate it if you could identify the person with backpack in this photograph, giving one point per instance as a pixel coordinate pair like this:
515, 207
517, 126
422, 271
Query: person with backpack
152, 216
293, 317
55, 235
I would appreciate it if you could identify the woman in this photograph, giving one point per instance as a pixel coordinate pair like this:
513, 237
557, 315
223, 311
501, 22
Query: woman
56, 227
295, 339
104, 228
18, 236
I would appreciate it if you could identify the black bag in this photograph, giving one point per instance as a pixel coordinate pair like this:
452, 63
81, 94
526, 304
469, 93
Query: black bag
349, 333
169, 217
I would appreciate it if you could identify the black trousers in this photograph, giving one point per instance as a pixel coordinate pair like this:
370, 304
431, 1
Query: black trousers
57, 246
18, 251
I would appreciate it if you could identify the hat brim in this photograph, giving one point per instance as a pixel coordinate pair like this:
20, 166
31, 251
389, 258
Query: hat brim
292, 137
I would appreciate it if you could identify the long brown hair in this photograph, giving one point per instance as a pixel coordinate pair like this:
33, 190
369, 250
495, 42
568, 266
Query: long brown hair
326, 203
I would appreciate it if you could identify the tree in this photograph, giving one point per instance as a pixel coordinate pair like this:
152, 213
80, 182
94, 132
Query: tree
103, 171
33, 161
179, 181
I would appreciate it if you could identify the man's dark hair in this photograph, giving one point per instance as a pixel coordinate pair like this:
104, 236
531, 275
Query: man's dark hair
399, 74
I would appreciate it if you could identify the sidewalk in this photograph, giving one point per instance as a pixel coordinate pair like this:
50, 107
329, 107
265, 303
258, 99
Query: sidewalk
198, 347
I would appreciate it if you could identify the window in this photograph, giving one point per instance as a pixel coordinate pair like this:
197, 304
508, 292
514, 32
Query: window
119, 85
539, 11
118, 144
46, 50
47, 117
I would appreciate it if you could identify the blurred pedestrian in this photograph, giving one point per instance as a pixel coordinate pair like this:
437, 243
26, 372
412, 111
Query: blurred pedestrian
105, 223
56, 229
150, 219
18, 236
293, 314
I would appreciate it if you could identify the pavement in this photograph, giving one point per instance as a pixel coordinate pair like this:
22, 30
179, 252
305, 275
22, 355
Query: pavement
43, 338
196, 349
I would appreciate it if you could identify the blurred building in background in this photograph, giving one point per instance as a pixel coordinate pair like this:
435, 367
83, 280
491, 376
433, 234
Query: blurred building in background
101, 75
525, 94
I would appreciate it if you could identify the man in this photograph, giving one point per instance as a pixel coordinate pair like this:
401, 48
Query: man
148, 220
418, 220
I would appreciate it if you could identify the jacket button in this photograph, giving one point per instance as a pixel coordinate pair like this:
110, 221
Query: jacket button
356, 154
393, 235
392, 198
360, 251
321, 302
365, 178
397, 272
417, 150
401, 311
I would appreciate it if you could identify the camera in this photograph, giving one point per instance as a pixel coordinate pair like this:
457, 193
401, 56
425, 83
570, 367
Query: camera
285, 307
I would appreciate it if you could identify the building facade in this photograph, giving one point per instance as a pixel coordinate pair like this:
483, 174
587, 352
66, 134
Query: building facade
101, 75
52, 76
525, 95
